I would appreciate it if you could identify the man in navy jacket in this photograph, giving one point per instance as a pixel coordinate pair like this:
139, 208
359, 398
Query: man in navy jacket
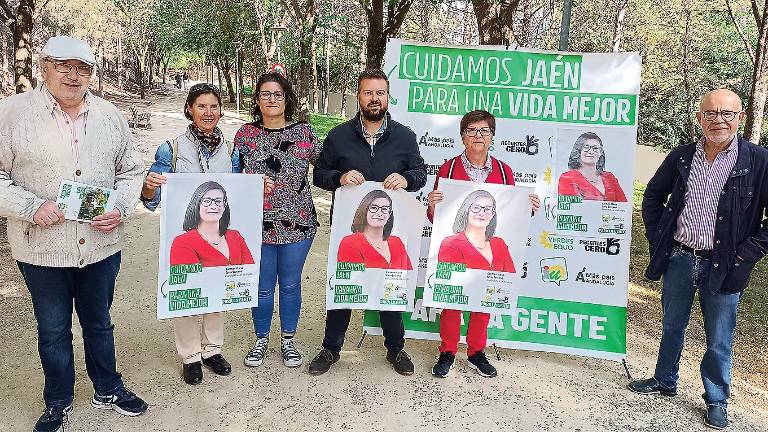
705, 218
369, 147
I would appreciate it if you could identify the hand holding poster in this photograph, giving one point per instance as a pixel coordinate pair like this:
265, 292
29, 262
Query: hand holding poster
210, 243
374, 248
479, 233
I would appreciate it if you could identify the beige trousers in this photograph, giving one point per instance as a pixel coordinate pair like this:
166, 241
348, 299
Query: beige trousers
194, 343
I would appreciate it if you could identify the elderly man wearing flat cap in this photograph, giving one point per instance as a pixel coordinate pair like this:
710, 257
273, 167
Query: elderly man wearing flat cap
61, 132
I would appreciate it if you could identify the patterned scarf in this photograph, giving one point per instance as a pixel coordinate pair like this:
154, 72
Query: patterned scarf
209, 142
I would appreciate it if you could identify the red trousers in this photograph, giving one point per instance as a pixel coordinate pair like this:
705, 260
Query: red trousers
450, 331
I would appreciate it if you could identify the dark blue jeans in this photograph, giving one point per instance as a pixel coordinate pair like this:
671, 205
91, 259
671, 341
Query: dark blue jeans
684, 275
280, 264
54, 290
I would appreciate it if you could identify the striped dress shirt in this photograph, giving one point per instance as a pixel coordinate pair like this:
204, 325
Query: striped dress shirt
696, 223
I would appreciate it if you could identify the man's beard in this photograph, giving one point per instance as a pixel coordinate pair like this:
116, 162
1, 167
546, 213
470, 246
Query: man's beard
372, 116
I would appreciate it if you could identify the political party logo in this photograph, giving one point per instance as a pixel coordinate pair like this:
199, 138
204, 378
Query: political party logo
554, 270
428, 140
426, 231
556, 242
530, 146
422, 197
610, 224
586, 276
608, 246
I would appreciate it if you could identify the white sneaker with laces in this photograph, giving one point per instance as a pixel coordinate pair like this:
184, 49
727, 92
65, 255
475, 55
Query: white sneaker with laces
291, 356
255, 356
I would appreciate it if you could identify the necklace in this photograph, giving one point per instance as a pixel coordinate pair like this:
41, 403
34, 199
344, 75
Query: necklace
211, 242
480, 248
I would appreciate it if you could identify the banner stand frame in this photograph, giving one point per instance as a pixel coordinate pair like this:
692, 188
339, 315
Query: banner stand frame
626, 368
362, 338
496, 350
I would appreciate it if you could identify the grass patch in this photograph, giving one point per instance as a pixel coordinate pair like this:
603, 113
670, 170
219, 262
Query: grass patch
323, 123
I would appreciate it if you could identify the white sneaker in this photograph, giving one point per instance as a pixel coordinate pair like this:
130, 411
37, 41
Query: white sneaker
291, 356
255, 356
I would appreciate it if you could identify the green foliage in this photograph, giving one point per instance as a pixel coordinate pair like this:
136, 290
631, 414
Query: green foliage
322, 124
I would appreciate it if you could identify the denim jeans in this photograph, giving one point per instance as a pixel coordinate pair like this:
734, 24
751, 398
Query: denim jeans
280, 264
337, 323
684, 275
53, 291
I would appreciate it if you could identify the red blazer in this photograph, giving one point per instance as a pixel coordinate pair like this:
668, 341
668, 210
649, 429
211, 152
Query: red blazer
454, 169
574, 183
191, 248
458, 249
355, 248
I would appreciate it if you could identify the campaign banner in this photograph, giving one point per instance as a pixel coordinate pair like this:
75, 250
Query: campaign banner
566, 123
480, 231
374, 248
210, 243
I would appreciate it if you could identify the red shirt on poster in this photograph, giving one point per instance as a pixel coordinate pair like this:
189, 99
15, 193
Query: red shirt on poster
355, 248
458, 249
574, 183
191, 248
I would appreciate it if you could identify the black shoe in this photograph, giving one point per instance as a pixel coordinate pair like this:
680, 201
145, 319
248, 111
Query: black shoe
401, 361
716, 417
650, 386
122, 401
218, 364
193, 373
444, 365
479, 362
323, 361
53, 419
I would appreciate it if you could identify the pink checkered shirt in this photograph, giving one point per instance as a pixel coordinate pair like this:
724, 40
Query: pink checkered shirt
72, 131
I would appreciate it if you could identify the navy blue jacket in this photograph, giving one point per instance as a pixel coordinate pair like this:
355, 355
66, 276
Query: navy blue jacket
346, 149
741, 228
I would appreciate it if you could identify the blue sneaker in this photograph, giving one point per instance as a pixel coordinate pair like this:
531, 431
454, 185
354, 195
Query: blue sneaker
122, 401
716, 417
53, 419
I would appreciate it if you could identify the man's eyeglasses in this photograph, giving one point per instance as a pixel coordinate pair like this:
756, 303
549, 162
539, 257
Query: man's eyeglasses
65, 68
592, 148
726, 115
478, 208
373, 208
472, 132
220, 202
266, 95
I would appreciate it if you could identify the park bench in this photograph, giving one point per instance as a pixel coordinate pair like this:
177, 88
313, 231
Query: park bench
139, 120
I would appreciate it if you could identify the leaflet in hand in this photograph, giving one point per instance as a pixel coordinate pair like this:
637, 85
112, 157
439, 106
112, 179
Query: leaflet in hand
83, 202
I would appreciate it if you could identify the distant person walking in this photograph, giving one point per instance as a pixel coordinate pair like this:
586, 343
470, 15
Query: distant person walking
61, 131
704, 213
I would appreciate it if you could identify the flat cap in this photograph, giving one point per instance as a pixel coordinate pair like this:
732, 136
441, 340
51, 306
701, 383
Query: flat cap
68, 48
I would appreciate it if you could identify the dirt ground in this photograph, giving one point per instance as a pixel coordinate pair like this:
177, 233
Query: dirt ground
534, 391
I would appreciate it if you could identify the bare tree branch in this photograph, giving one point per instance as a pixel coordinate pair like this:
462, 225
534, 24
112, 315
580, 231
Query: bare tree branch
756, 12
6, 12
740, 31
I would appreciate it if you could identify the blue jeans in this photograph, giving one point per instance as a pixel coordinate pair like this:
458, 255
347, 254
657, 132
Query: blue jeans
684, 275
53, 291
282, 263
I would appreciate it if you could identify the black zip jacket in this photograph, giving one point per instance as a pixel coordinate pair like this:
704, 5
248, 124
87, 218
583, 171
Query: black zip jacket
345, 149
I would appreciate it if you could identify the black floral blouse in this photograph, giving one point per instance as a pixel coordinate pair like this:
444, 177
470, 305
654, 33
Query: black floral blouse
283, 154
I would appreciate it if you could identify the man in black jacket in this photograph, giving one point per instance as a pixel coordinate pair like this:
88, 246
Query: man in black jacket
369, 147
705, 218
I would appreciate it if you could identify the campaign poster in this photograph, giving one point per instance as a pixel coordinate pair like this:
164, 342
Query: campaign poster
479, 232
593, 179
374, 248
82, 202
210, 243
575, 275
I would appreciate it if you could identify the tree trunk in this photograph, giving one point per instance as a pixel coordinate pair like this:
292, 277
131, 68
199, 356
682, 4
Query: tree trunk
618, 25
327, 73
495, 20
344, 100
120, 58
757, 97
689, 127
22, 44
140, 71
315, 79
226, 69
379, 31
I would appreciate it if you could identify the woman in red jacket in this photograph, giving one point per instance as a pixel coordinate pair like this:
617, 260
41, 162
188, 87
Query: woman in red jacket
587, 177
208, 239
371, 242
473, 243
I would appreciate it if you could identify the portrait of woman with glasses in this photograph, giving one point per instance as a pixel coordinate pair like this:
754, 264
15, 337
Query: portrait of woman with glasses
371, 242
201, 148
473, 242
587, 177
282, 150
